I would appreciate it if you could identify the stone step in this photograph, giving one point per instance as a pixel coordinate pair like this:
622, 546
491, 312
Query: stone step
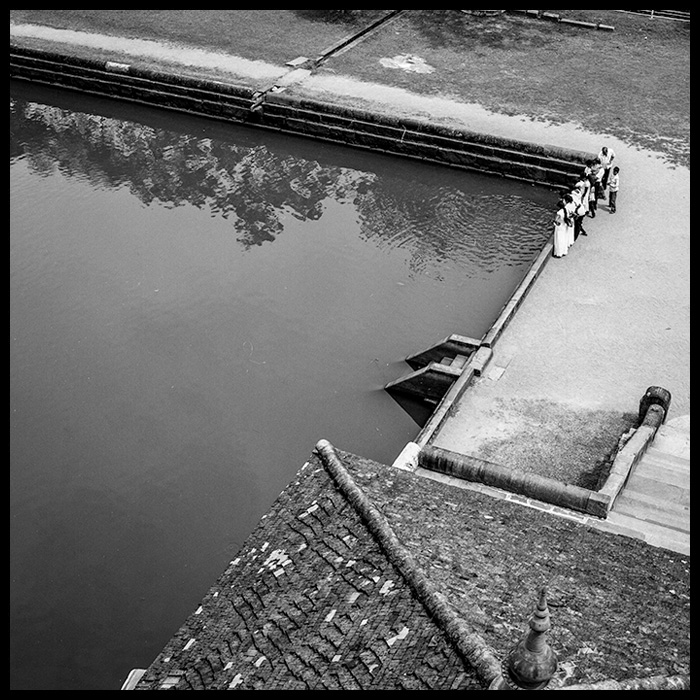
460, 361
674, 437
653, 534
429, 383
657, 489
653, 510
652, 469
654, 501
671, 461
456, 362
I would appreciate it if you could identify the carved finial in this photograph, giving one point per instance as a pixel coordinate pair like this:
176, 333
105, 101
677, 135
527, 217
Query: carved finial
539, 621
531, 663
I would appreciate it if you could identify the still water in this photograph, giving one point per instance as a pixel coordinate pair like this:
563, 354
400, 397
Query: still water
193, 306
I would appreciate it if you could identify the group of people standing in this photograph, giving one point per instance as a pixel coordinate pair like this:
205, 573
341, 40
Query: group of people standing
599, 175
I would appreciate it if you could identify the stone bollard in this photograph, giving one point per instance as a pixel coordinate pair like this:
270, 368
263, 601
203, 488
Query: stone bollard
654, 395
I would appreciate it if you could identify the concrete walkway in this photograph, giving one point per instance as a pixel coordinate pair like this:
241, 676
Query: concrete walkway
599, 326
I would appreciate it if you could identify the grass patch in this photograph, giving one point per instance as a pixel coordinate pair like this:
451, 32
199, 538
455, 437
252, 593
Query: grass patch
574, 446
633, 83
275, 36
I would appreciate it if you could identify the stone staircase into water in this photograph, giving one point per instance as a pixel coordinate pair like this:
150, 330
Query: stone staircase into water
655, 502
436, 368
431, 383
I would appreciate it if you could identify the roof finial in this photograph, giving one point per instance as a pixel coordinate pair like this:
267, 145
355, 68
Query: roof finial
531, 663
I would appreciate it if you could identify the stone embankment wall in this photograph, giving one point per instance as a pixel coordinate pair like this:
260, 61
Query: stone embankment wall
543, 165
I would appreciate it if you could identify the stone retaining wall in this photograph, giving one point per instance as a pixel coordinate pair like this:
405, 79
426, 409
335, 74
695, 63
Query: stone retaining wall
126, 82
274, 109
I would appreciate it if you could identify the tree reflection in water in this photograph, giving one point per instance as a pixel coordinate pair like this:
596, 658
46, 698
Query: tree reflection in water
255, 188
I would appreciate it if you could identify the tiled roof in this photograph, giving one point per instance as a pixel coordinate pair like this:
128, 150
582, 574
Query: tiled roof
311, 602
620, 608
364, 576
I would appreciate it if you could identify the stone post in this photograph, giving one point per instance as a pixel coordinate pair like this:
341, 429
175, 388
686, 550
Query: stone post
654, 395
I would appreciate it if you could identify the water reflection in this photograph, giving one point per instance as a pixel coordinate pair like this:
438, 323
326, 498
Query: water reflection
256, 189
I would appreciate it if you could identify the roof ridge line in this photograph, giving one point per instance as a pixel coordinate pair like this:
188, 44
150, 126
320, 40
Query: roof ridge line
469, 644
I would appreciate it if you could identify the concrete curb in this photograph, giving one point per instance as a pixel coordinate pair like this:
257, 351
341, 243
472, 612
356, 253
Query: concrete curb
508, 311
515, 481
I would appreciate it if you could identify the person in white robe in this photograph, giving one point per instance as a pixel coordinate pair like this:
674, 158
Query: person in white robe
561, 234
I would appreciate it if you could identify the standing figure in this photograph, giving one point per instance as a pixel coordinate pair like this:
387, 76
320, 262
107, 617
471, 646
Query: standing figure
597, 172
613, 187
592, 196
580, 196
606, 158
570, 209
561, 235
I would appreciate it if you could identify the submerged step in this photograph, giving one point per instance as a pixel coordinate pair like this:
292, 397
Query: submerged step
460, 361
430, 383
451, 347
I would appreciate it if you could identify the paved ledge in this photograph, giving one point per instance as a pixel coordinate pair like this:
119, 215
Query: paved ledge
518, 296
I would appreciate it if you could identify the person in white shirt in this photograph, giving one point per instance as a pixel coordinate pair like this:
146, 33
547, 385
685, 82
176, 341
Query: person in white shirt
613, 187
579, 193
606, 158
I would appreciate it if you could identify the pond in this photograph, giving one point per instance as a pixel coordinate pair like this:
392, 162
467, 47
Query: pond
193, 306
